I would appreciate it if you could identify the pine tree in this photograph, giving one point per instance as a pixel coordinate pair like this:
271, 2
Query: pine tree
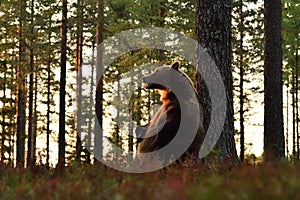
62, 105
274, 148
79, 46
21, 96
214, 34
99, 88
31, 136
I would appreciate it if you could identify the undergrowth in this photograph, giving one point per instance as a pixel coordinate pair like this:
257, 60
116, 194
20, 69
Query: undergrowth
244, 181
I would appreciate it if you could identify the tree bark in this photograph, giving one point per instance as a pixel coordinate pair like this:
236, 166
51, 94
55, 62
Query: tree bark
21, 101
287, 119
99, 88
241, 60
62, 101
294, 115
79, 78
274, 148
30, 151
48, 98
297, 87
4, 131
91, 110
214, 34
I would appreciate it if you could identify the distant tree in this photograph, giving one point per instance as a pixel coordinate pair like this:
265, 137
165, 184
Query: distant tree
99, 88
47, 61
8, 67
48, 85
274, 148
90, 106
214, 34
21, 101
242, 71
291, 46
31, 135
62, 103
247, 40
79, 60
4, 133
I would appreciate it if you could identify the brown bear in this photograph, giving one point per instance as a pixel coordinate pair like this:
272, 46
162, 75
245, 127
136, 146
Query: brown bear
165, 123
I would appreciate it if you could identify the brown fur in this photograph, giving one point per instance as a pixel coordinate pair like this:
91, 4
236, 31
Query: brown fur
165, 122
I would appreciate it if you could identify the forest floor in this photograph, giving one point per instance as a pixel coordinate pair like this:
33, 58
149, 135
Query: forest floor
244, 181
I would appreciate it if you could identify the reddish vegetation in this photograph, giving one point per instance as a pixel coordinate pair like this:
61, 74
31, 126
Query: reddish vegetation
209, 181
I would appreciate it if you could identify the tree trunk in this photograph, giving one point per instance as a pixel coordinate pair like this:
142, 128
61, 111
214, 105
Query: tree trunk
48, 99
21, 101
294, 115
98, 152
34, 131
79, 78
30, 152
274, 148
4, 131
241, 60
287, 119
214, 34
297, 87
12, 120
118, 137
91, 110
62, 101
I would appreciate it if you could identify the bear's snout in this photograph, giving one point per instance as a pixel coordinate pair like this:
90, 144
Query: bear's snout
151, 84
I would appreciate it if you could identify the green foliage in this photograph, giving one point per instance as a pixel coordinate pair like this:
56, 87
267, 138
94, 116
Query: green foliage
291, 37
291, 50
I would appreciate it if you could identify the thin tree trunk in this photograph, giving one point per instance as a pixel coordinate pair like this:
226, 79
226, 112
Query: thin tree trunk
297, 87
99, 87
30, 152
294, 115
89, 139
130, 136
296, 106
79, 80
34, 131
161, 14
12, 120
274, 149
242, 132
118, 138
62, 101
287, 119
4, 132
48, 132
21, 102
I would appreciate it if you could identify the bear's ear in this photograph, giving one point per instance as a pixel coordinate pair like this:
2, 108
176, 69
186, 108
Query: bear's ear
175, 65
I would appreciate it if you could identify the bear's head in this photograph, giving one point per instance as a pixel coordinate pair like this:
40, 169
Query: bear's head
161, 78
161, 75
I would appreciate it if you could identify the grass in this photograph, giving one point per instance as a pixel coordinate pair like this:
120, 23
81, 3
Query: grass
205, 182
